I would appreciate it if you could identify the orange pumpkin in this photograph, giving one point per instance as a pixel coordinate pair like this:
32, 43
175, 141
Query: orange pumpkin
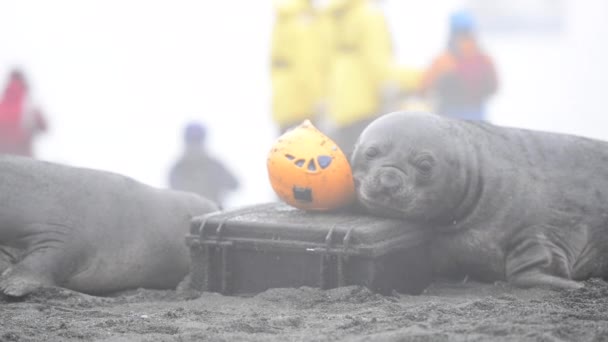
309, 171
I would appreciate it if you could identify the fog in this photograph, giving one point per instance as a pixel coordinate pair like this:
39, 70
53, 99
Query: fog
117, 80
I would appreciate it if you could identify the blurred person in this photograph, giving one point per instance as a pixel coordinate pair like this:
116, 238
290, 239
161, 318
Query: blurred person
407, 80
20, 122
198, 172
359, 69
296, 63
461, 79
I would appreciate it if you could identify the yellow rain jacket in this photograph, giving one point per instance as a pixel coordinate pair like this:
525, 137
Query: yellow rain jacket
361, 60
297, 73
408, 79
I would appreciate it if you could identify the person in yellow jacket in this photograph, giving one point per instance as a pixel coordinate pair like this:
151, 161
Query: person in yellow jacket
360, 67
297, 68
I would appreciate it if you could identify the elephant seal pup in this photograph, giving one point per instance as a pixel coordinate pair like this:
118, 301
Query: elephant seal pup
89, 231
504, 204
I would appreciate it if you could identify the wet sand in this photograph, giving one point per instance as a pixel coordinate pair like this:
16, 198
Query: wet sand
444, 312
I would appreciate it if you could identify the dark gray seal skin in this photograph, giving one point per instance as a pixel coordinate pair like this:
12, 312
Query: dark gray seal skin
508, 204
90, 231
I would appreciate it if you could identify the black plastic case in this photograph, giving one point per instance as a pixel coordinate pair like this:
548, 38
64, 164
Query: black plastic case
251, 249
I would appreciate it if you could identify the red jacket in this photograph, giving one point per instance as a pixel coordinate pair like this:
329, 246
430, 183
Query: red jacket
465, 79
18, 124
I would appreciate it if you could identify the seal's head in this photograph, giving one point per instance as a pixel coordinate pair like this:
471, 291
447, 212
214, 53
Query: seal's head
411, 166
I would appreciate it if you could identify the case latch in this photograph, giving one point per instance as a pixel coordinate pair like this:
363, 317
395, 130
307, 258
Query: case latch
327, 260
204, 250
335, 259
343, 257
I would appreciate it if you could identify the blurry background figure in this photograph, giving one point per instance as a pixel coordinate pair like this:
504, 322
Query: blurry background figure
461, 80
407, 81
20, 121
198, 172
296, 63
359, 69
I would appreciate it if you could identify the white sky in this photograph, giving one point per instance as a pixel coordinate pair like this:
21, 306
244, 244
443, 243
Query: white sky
119, 78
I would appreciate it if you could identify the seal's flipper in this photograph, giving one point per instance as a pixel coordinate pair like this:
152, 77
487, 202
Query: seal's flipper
536, 259
531, 279
43, 265
17, 281
46, 261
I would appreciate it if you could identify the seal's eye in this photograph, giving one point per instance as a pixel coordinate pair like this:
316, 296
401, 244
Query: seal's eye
424, 163
372, 152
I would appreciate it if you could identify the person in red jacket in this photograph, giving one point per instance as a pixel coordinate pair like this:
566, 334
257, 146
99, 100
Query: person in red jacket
20, 123
463, 77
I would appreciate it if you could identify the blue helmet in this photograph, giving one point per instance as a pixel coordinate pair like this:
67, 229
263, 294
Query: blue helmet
195, 133
462, 21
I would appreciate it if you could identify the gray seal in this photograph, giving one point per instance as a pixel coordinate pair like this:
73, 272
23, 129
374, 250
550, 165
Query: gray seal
90, 231
502, 203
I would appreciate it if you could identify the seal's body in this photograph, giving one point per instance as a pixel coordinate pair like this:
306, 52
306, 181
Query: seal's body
89, 231
505, 204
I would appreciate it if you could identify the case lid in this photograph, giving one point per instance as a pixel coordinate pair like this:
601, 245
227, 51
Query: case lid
276, 225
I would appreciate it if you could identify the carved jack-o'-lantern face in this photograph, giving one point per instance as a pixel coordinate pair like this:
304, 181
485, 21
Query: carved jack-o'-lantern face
309, 171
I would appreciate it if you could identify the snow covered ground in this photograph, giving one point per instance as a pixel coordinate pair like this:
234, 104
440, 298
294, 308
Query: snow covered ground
118, 79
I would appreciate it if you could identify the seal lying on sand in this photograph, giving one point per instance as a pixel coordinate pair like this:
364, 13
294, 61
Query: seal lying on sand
505, 204
89, 231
